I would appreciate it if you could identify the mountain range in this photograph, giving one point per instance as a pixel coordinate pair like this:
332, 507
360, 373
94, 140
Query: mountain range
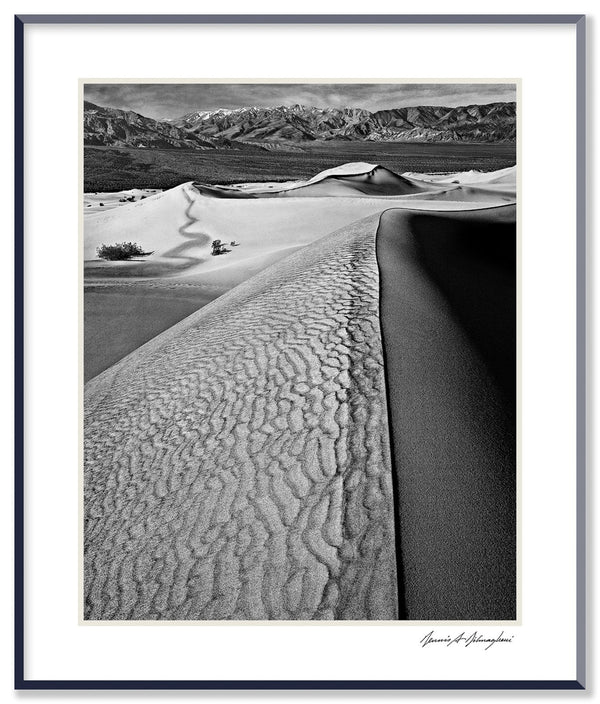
288, 127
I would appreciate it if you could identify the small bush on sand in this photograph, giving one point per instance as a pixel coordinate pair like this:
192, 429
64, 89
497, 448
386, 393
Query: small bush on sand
218, 247
119, 252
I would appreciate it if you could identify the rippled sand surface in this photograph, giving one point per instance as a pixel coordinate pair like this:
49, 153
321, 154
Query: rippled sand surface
238, 466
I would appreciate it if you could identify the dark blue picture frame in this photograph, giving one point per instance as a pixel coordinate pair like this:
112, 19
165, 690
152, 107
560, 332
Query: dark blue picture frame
27, 684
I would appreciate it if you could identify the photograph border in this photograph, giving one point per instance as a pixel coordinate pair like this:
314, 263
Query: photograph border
20, 681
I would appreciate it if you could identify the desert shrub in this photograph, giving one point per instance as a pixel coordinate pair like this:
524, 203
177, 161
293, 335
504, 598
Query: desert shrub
120, 251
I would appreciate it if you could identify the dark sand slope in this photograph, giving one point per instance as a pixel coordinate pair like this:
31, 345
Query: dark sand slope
449, 324
238, 465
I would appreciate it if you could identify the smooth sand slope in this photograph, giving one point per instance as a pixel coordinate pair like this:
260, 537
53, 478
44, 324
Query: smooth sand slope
238, 466
448, 312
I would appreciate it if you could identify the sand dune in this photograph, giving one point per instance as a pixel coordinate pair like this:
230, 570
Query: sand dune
506, 176
179, 224
473, 184
309, 445
157, 222
363, 180
244, 430
101, 202
237, 466
353, 179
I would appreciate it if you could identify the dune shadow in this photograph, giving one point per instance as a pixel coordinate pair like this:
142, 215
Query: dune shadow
448, 319
472, 259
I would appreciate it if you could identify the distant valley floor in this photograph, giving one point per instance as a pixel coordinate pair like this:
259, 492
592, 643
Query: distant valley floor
115, 169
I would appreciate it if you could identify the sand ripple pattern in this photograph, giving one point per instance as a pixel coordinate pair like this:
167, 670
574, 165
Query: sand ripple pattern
238, 465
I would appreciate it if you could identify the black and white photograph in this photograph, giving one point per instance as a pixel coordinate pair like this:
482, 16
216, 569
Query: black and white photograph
300, 351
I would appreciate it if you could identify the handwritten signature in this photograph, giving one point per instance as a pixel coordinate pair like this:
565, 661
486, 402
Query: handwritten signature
465, 639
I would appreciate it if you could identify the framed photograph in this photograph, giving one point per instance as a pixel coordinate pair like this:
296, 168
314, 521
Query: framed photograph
301, 344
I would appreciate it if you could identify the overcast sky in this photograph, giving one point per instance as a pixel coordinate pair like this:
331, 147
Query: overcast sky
165, 100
